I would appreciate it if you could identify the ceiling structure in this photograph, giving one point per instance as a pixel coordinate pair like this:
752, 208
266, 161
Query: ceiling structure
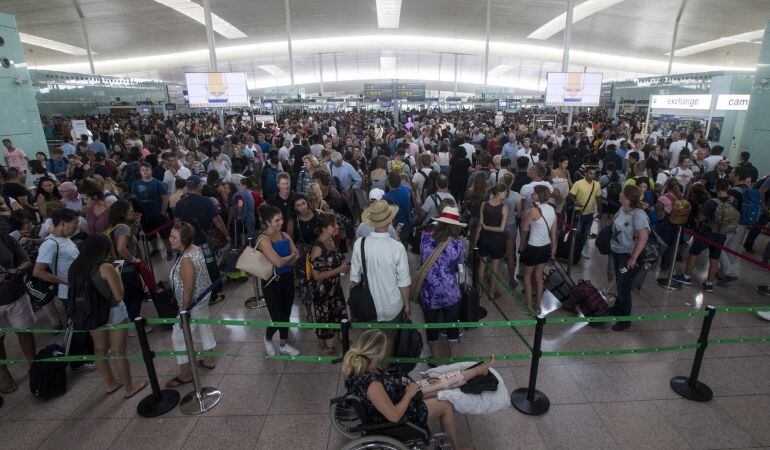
344, 42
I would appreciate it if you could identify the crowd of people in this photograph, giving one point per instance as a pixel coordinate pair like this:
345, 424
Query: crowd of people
314, 191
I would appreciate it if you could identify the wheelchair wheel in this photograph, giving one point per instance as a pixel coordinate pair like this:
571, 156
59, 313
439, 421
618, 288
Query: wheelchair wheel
374, 443
344, 418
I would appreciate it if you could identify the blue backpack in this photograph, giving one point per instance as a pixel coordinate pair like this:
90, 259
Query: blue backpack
751, 207
271, 180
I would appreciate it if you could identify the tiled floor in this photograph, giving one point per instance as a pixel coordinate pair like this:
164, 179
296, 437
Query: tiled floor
621, 401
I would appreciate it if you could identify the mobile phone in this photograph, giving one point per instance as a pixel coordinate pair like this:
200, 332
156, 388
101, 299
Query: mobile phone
118, 263
400, 225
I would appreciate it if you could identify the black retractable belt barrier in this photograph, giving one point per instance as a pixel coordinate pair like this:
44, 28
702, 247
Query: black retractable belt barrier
160, 401
689, 387
529, 400
345, 338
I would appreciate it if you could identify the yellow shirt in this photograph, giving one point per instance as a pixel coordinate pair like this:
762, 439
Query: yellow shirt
582, 192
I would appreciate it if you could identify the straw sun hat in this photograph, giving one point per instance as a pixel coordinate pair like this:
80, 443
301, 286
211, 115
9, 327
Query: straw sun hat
451, 216
379, 214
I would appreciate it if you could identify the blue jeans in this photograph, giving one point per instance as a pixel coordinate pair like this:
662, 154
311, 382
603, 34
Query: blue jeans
584, 230
623, 280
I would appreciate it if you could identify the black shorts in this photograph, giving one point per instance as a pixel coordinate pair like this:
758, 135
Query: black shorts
443, 315
532, 256
491, 245
153, 221
698, 246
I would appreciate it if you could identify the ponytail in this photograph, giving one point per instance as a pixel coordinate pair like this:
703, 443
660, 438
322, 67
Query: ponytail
358, 359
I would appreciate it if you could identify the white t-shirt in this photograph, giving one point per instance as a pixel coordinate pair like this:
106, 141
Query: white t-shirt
169, 179
683, 176
431, 207
48, 223
528, 189
61, 261
674, 149
470, 150
387, 269
712, 161
419, 178
540, 229
531, 155
283, 154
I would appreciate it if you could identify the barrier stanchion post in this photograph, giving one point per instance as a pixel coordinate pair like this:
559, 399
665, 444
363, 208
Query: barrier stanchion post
475, 267
529, 400
345, 335
669, 283
202, 398
160, 401
689, 387
572, 234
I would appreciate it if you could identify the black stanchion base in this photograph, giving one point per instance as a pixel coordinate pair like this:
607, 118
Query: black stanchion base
538, 406
701, 392
150, 407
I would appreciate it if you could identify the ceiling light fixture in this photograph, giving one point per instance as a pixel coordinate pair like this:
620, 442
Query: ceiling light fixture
274, 70
53, 45
581, 11
195, 12
388, 13
718, 43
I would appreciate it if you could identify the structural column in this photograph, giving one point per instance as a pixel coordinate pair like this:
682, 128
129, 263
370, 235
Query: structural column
321, 71
288, 40
486, 44
85, 36
210, 36
565, 54
673, 38
455, 75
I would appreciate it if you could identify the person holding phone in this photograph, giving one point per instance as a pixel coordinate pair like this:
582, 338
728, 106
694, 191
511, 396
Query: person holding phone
327, 267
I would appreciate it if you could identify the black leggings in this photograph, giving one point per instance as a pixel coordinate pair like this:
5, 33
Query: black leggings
279, 296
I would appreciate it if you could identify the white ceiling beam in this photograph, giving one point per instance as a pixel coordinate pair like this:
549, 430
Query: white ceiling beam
743, 38
388, 13
583, 10
195, 12
38, 41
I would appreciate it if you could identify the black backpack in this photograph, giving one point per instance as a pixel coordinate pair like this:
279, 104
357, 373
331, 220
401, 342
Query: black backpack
48, 379
86, 307
407, 344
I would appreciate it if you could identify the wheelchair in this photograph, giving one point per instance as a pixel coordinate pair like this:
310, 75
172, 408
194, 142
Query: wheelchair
349, 418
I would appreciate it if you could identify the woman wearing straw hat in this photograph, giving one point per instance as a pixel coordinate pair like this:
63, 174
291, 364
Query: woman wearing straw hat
441, 251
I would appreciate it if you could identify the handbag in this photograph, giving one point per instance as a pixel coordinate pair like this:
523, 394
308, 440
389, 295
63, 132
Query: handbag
253, 261
360, 299
215, 238
653, 249
422, 271
42, 292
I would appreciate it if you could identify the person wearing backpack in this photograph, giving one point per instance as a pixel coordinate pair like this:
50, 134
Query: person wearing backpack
763, 188
91, 272
717, 218
15, 306
749, 205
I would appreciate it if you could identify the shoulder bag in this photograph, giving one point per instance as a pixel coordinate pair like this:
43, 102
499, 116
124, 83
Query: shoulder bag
422, 272
253, 261
215, 238
360, 299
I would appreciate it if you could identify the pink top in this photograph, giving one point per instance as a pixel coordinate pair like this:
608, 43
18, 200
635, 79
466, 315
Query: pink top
96, 224
15, 158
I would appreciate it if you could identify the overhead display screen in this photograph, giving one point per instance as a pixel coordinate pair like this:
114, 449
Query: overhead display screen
384, 91
573, 89
217, 89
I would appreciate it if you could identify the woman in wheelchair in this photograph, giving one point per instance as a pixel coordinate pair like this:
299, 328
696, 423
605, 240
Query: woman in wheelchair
387, 400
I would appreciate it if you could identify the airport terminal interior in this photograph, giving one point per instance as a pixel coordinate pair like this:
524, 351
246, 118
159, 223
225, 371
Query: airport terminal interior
385, 224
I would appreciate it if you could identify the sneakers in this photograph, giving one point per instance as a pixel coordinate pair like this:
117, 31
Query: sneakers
288, 350
682, 278
269, 348
708, 287
86, 367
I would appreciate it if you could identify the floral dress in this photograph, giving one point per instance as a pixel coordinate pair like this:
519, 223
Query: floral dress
328, 299
358, 385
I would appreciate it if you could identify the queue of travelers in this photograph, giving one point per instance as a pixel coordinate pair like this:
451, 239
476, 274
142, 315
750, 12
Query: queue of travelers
330, 196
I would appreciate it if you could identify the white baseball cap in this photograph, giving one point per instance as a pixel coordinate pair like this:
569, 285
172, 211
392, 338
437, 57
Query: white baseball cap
376, 194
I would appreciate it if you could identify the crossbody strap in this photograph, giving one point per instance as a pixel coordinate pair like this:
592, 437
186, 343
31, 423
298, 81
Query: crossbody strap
364, 279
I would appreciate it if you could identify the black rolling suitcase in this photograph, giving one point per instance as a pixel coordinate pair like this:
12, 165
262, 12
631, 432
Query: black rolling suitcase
470, 311
164, 302
559, 283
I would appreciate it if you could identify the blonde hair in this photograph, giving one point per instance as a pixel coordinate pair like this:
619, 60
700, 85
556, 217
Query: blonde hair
314, 195
370, 345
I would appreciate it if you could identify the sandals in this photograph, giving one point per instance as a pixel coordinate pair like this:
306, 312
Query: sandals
203, 365
10, 389
138, 388
176, 381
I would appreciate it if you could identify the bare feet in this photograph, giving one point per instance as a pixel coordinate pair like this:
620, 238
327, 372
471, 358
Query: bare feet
135, 388
484, 368
111, 389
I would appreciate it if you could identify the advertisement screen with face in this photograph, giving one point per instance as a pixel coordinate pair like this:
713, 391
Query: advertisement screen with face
573, 88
